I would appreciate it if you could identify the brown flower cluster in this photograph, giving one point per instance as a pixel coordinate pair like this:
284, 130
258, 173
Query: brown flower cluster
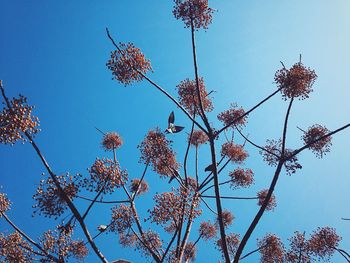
232, 241
122, 219
139, 187
17, 120
4, 203
314, 133
127, 62
156, 148
227, 218
261, 199
49, 199
150, 239
241, 178
198, 138
233, 117
190, 251
207, 230
234, 152
105, 176
299, 250
188, 96
14, 249
111, 141
272, 249
196, 11
296, 81
127, 239
323, 241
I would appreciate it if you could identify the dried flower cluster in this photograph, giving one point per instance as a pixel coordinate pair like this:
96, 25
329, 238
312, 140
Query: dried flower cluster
323, 241
49, 199
314, 133
156, 148
105, 176
227, 218
190, 252
261, 199
4, 203
233, 117
111, 141
198, 138
232, 241
127, 239
122, 219
16, 121
207, 230
14, 249
272, 249
234, 152
298, 249
139, 187
193, 11
241, 178
188, 96
295, 82
152, 240
127, 62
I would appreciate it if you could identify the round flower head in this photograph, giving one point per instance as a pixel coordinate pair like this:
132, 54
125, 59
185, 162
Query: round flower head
227, 218
272, 249
121, 218
13, 248
232, 241
299, 250
296, 81
241, 177
262, 196
207, 230
235, 152
314, 133
4, 203
233, 117
190, 252
127, 62
193, 11
323, 241
139, 187
111, 141
198, 138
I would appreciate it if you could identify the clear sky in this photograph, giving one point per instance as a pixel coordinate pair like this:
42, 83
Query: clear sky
54, 52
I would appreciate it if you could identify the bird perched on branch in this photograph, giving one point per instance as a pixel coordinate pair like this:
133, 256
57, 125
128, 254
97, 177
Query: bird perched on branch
102, 228
172, 128
210, 168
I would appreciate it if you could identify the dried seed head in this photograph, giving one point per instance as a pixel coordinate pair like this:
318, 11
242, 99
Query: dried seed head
111, 141
262, 196
314, 133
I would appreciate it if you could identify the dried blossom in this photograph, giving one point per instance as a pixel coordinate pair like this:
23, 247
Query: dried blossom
190, 251
262, 195
139, 187
271, 249
127, 63
127, 239
233, 117
299, 250
207, 230
241, 178
14, 249
122, 218
232, 241
111, 141
105, 176
188, 96
17, 120
323, 242
234, 152
193, 11
152, 240
314, 133
4, 204
156, 148
79, 250
50, 200
296, 81
198, 138
227, 218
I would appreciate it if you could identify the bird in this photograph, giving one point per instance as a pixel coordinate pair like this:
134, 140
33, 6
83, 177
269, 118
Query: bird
209, 168
102, 228
172, 128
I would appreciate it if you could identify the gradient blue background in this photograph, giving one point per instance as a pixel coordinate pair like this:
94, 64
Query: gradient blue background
54, 52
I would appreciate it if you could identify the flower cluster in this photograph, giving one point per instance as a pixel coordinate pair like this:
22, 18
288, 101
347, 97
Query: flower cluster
50, 199
193, 11
14, 249
262, 195
188, 96
295, 82
4, 203
105, 176
227, 218
190, 251
17, 120
139, 187
299, 250
323, 242
152, 240
314, 133
198, 138
111, 141
207, 230
234, 152
233, 117
127, 62
127, 239
232, 241
241, 178
122, 219
156, 148
271, 249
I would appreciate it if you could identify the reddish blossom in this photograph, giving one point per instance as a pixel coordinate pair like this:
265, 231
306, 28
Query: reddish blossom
17, 120
188, 96
234, 152
4, 203
127, 62
196, 11
122, 218
111, 141
127, 239
232, 241
79, 250
156, 148
299, 251
190, 251
296, 81
314, 133
152, 240
233, 117
14, 249
262, 196
271, 249
207, 230
227, 218
139, 187
241, 178
323, 242
198, 138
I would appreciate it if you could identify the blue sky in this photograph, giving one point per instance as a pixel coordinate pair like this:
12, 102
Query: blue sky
54, 52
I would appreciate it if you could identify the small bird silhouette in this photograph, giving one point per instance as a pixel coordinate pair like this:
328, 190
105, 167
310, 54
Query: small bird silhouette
102, 228
209, 168
172, 128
